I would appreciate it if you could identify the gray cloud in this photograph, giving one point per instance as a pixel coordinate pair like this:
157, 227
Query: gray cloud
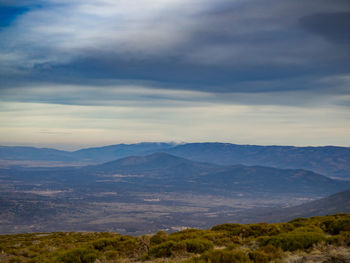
226, 46
332, 26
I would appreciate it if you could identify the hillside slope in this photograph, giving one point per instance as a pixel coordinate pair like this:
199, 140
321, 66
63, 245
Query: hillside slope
336, 203
300, 240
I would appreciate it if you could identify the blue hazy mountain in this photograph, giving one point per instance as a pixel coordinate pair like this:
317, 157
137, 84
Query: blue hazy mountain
156, 165
329, 160
23, 153
92, 155
163, 169
113, 152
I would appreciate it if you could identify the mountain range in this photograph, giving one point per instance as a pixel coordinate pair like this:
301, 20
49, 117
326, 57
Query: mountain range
165, 171
328, 160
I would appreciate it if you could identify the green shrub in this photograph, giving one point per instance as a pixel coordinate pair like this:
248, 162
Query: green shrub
299, 221
189, 233
263, 229
221, 238
251, 230
110, 255
79, 255
15, 260
337, 226
198, 245
235, 228
223, 256
124, 245
310, 228
102, 244
260, 256
293, 240
265, 254
167, 249
158, 238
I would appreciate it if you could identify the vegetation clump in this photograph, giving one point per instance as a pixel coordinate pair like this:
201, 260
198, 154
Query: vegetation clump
315, 237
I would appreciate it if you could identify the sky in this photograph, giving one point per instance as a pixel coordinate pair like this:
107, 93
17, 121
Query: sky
78, 73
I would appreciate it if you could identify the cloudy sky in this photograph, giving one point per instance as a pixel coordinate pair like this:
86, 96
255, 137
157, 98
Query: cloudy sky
77, 73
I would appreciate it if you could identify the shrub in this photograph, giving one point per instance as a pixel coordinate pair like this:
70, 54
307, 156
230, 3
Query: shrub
110, 255
293, 240
189, 233
167, 249
224, 256
260, 256
124, 245
265, 254
337, 226
158, 238
15, 260
299, 221
228, 227
343, 239
79, 255
251, 230
198, 245
263, 229
143, 244
221, 238
310, 228
102, 244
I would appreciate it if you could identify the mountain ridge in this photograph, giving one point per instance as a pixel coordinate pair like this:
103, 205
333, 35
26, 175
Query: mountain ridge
332, 161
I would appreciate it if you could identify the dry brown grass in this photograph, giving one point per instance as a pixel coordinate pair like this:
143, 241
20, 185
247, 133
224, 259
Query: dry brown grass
320, 253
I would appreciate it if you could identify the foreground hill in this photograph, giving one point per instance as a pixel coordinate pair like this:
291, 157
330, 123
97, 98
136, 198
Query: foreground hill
329, 160
316, 239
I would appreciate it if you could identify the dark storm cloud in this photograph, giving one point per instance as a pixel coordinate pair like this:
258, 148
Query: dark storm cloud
229, 46
332, 26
